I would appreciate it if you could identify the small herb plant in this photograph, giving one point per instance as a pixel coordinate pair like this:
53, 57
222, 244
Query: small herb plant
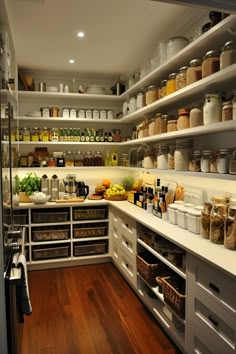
28, 184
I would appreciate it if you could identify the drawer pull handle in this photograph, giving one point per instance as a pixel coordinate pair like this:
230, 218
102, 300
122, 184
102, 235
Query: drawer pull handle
214, 287
127, 266
127, 243
215, 323
127, 225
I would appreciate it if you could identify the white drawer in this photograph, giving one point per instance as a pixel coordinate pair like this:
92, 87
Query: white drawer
198, 343
115, 252
129, 245
128, 226
213, 281
128, 267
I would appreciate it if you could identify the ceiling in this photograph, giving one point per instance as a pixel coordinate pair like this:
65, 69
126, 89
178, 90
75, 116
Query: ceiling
120, 35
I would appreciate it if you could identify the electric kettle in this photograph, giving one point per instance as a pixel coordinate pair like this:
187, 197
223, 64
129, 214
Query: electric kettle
82, 190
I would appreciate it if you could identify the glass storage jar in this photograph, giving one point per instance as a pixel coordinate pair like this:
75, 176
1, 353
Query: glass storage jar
194, 71
88, 159
149, 157
206, 161
152, 127
183, 154
210, 64
171, 157
26, 134
35, 134
132, 105
69, 159
212, 109
217, 220
183, 119
79, 159
172, 125
152, 94
161, 123
171, 84
181, 78
213, 165
232, 163
195, 163
227, 111
140, 99
163, 88
228, 55
230, 229
98, 159
205, 220
174, 45
223, 159
234, 106
162, 157
195, 117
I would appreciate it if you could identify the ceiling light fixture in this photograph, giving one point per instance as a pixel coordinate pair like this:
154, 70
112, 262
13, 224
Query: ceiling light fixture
80, 34
71, 61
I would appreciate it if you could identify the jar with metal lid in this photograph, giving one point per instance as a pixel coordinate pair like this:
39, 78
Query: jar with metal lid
195, 163
183, 154
210, 64
172, 125
79, 159
161, 123
171, 157
152, 94
228, 55
232, 163
230, 229
195, 117
227, 111
51, 162
26, 134
152, 127
81, 113
35, 134
132, 105
65, 112
181, 78
171, 84
163, 88
45, 134
194, 71
205, 220
217, 220
212, 108
69, 159
213, 162
149, 157
162, 157
206, 161
183, 119
73, 113
88, 159
223, 159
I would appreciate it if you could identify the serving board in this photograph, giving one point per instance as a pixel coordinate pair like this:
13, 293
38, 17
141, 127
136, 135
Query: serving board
95, 197
70, 200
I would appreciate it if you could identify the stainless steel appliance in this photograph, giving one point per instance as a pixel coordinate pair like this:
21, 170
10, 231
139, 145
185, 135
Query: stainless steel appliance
70, 184
82, 190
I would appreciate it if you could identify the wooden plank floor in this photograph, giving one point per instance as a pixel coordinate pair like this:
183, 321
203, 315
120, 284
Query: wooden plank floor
88, 310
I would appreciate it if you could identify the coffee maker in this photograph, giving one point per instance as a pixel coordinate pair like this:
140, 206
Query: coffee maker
82, 190
70, 184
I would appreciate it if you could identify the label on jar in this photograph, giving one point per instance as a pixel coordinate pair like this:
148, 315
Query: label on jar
73, 113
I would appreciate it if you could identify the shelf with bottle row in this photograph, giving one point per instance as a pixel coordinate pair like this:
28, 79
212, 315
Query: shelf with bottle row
56, 143
211, 40
223, 80
74, 168
57, 120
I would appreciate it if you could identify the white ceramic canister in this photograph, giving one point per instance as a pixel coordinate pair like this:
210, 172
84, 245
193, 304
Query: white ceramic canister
172, 211
174, 45
212, 109
182, 215
132, 105
193, 220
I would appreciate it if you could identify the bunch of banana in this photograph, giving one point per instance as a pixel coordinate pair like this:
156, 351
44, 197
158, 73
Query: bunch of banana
115, 190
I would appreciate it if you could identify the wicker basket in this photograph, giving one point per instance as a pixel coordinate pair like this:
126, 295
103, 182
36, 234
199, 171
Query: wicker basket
172, 297
148, 268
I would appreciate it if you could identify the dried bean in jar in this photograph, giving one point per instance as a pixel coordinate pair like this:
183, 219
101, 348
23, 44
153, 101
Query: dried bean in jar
195, 117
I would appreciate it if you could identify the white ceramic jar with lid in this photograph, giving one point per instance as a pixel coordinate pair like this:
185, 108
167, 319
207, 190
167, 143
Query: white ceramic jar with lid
174, 45
182, 215
212, 109
193, 219
182, 155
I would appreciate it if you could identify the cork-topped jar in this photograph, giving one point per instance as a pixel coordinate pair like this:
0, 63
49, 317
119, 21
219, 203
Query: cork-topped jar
183, 119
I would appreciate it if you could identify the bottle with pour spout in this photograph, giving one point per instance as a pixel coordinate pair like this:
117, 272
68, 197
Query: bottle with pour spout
114, 158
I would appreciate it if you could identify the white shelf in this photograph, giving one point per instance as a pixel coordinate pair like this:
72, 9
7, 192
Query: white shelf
50, 224
89, 221
67, 96
95, 238
56, 143
212, 39
49, 242
163, 259
68, 120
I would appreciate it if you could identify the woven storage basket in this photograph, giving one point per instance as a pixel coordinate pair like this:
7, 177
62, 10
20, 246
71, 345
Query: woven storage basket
172, 297
148, 268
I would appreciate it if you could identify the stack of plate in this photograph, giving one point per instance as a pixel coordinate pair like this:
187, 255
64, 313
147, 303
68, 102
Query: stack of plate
95, 90
33, 114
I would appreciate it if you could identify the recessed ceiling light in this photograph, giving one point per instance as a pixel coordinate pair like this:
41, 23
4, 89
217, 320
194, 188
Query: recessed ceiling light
80, 34
71, 61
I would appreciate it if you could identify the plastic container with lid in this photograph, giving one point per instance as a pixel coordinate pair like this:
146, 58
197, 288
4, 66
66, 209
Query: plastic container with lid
172, 125
205, 220
212, 109
230, 229
193, 219
223, 159
217, 220
228, 55
206, 161
194, 71
210, 64
183, 155
183, 119
171, 84
195, 163
227, 111
232, 163
172, 211
152, 94
174, 45
195, 117
181, 78
162, 158
182, 215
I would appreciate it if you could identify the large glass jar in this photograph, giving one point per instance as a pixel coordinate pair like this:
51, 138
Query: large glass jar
228, 55
206, 161
195, 163
161, 123
79, 159
195, 117
88, 159
149, 157
172, 125
152, 94
210, 64
217, 220
212, 109
171, 157
98, 159
183, 119
223, 159
69, 159
183, 155
171, 84
227, 111
162, 157
230, 229
205, 220
181, 78
232, 163
194, 71
163, 88
152, 127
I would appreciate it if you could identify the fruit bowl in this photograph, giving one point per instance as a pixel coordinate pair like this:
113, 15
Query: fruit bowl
115, 197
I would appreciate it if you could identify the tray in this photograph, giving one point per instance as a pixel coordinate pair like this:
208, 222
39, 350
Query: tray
90, 232
95, 197
47, 235
93, 248
55, 252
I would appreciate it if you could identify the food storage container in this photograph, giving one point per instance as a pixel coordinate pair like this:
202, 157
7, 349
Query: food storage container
195, 163
162, 158
140, 101
65, 113
161, 123
163, 88
152, 127
217, 220
195, 117
171, 157
228, 55
210, 64
183, 155
206, 160
205, 220
194, 71
172, 213
212, 109
232, 163
182, 215
181, 78
172, 125
230, 229
183, 119
223, 159
171, 84
174, 45
193, 220
132, 105
152, 94
227, 111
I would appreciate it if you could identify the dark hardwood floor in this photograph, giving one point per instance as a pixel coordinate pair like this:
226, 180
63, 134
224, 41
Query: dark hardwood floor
88, 310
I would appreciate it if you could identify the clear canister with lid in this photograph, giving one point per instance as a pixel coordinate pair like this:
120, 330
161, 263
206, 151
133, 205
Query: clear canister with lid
212, 109
163, 88
181, 78
228, 55
217, 220
161, 123
171, 84
210, 64
230, 229
223, 160
227, 111
195, 163
152, 127
194, 71
183, 119
152, 94
171, 157
149, 158
172, 125
162, 157
205, 220
206, 161
195, 117
183, 155
69, 159
79, 159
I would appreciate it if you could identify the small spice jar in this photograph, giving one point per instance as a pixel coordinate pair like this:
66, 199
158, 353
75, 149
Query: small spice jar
181, 78
152, 94
195, 117
205, 220
194, 71
183, 119
232, 163
212, 108
223, 159
230, 229
172, 125
206, 161
210, 64
195, 163
227, 111
163, 88
171, 84
228, 55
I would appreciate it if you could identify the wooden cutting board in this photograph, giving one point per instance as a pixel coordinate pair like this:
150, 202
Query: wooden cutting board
95, 197
70, 200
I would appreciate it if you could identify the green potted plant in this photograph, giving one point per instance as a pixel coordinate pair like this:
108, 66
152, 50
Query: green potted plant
27, 185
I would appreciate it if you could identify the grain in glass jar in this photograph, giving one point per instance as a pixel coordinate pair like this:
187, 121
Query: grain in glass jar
212, 108
152, 127
210, 64
163, 88
162, 157
217, 220
230, 229
171, 157
206, 161
54, 112
228, 55
194, 71
232, 163
195, 163
205, 220
183, 155
223, 159
79, 159
181, 78
161, 123
172, 125
171, 84
227, 111
183, 119
69, 159
152, 94
195, 117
